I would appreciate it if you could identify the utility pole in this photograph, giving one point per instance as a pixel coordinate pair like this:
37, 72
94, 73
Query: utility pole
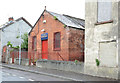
20, 49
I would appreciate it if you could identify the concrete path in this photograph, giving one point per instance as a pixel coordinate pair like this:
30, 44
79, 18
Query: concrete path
56, 73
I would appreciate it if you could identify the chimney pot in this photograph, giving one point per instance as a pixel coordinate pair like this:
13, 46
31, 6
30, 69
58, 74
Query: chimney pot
10, 19
45, 7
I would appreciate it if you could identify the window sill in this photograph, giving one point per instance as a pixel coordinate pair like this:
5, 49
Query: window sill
57, 49
105, 22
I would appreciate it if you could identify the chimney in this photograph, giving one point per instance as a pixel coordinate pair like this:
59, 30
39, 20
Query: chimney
45, 7
10, 19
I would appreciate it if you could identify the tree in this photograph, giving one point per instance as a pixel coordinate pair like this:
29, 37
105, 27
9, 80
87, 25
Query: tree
24, 44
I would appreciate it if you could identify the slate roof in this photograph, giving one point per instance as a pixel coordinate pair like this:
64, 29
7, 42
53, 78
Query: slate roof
69, 20
12, 22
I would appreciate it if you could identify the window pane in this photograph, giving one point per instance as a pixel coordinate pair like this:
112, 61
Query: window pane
57, 40
104, 10
34, 42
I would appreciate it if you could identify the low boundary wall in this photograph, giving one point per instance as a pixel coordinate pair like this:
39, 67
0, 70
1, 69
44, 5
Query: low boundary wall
23, 61
61, 65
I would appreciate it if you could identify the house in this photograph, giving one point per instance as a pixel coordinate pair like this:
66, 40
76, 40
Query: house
10, 30
102, 38
57, 37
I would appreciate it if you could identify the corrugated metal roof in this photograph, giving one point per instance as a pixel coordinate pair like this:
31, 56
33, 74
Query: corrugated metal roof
69, 20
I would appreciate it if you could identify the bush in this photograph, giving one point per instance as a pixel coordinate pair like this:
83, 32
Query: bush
97, 62
65, 26
17, 47
24, 44
55, 18
9, 44
76, 61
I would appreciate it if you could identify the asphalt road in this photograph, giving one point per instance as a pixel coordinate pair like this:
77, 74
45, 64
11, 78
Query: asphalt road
17, 75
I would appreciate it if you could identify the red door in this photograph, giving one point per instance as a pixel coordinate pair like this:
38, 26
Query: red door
45, 49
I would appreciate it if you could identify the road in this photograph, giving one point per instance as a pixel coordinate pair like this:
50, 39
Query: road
17, 75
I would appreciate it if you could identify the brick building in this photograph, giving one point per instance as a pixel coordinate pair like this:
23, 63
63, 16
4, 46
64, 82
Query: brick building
57, 37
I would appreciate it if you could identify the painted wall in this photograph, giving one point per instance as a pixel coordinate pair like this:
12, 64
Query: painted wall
12, 31
119, 39
101, 43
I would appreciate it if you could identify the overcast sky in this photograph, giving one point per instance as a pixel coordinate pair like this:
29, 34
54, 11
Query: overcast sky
32, 9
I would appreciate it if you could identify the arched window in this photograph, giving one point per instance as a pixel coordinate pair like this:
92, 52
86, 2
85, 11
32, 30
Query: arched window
57, 41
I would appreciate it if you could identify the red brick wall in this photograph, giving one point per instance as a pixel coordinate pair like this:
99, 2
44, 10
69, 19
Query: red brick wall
76, 44
51, 26
15, 54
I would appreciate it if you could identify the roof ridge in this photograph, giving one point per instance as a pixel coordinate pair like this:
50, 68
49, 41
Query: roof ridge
54, 12
9, 23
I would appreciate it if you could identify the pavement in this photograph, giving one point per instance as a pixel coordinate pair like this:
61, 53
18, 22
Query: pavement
72, 76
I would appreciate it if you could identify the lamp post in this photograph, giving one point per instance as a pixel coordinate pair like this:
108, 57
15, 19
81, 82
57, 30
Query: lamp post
20, 50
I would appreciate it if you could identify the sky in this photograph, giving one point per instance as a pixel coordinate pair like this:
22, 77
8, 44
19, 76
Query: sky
32, 9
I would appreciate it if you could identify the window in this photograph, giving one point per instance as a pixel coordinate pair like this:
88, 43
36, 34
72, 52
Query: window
104, 10
107, 53
34, 43
57, 41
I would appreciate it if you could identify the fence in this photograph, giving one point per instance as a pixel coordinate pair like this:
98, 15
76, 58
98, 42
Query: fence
63, 55
15, 55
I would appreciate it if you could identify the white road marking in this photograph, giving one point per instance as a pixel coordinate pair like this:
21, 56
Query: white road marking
21, 77
14, 75
8, 74
30, 80
1, 67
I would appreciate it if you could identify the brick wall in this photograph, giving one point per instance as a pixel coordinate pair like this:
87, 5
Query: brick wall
76, 44
51, 26
15, 54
